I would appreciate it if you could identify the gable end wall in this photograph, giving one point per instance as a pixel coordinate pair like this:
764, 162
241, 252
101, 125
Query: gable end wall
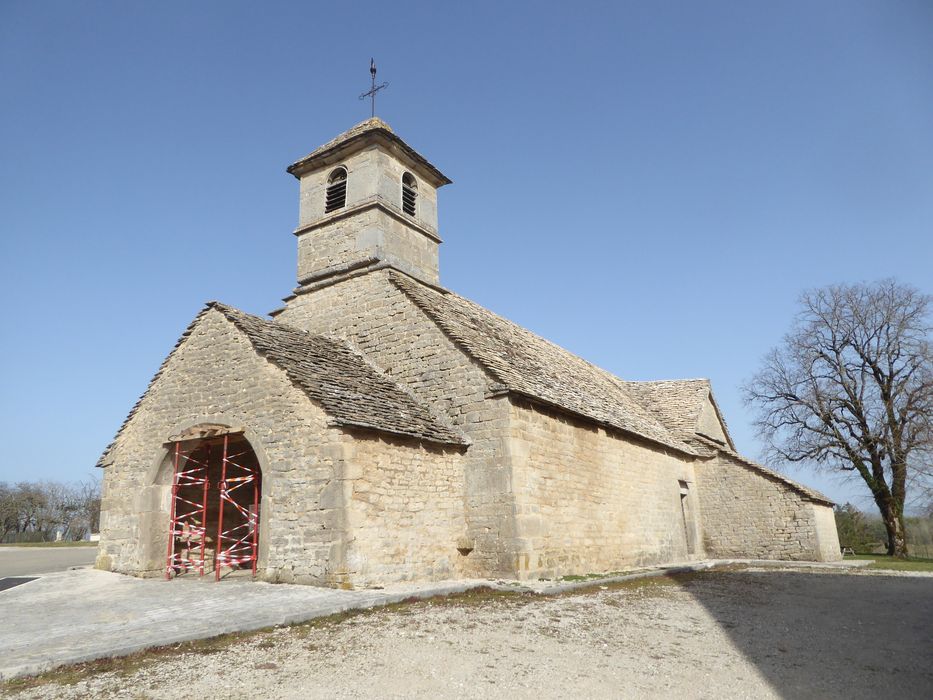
215, 376
748, 515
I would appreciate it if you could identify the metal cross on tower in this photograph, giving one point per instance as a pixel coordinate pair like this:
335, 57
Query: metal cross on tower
371, 94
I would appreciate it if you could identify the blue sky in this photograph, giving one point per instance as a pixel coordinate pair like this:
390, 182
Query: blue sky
650, 185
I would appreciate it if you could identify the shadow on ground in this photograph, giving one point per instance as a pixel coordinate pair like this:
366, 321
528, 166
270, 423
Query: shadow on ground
816, 635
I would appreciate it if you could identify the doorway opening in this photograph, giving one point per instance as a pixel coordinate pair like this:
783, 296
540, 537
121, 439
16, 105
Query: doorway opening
687, 513
214, 518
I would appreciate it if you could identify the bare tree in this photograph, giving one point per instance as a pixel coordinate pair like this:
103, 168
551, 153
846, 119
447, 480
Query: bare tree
43, 509
851, 389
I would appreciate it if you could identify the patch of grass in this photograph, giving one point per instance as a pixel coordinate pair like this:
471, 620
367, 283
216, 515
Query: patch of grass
884, 561
62, 543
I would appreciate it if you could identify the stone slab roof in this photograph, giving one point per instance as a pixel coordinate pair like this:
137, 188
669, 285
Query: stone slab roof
711, 448
366, 129
350, 390
678, 403
527, 364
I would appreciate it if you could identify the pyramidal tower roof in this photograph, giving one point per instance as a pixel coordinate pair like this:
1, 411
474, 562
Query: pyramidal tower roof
372, 130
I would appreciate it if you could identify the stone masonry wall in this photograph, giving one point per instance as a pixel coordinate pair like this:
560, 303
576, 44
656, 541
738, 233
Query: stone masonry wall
748, 515
588, 502
341, 239
405, 512
708, 423
375, 316
370, 173
364, 236
216, 377
827, 537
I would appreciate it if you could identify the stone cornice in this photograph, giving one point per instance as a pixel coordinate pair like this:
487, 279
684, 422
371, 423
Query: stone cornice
370, 132
375, 202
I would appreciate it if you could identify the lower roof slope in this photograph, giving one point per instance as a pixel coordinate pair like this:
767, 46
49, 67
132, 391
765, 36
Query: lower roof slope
710, 448
527, 364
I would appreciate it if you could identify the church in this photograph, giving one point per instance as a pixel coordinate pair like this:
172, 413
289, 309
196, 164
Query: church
378, 427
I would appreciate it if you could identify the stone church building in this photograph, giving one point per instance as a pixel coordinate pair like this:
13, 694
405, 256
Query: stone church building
382, 428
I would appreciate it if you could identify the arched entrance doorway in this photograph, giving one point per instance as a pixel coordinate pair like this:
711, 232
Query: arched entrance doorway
216, 495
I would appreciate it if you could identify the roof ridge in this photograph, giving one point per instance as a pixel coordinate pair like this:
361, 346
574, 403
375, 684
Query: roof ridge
667, 381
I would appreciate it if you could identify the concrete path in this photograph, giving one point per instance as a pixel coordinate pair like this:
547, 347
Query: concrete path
86, 614
29, 561
73, 616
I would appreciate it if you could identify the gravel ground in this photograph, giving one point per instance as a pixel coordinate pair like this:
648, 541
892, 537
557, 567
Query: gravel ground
716, 634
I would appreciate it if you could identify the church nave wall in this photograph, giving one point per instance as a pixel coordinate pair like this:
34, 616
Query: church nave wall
591, 502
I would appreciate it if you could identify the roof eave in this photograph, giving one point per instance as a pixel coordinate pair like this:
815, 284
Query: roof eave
333, 154
682, 449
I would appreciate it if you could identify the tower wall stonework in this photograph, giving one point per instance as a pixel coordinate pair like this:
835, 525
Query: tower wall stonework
348, 240
371, 173
378, 319
371, 224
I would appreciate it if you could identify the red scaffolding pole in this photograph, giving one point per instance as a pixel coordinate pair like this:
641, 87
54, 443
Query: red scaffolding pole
188, 517
237, 545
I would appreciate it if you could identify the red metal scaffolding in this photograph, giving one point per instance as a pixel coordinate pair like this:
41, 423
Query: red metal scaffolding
241, 539
188, 524
239, 478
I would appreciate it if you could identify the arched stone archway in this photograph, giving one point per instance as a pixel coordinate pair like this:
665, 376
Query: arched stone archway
215, 499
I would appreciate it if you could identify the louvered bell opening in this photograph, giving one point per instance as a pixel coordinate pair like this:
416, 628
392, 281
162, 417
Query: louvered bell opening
408, 200
336, 196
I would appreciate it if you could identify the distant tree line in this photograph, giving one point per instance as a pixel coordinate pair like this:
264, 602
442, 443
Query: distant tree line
866, 533
39, 511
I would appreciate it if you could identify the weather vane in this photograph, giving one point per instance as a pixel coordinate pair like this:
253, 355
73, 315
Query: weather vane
371, 94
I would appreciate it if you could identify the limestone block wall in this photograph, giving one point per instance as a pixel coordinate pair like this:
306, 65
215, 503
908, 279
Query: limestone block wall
215, 377
356, 233
405, 514
351, 238
389, 188
708, 424
589, 502
370, 173
747, 514
376, 317
827, 537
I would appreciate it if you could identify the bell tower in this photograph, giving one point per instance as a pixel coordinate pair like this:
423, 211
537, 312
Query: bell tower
367, 200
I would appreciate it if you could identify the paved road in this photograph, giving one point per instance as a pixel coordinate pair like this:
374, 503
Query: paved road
29, 561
